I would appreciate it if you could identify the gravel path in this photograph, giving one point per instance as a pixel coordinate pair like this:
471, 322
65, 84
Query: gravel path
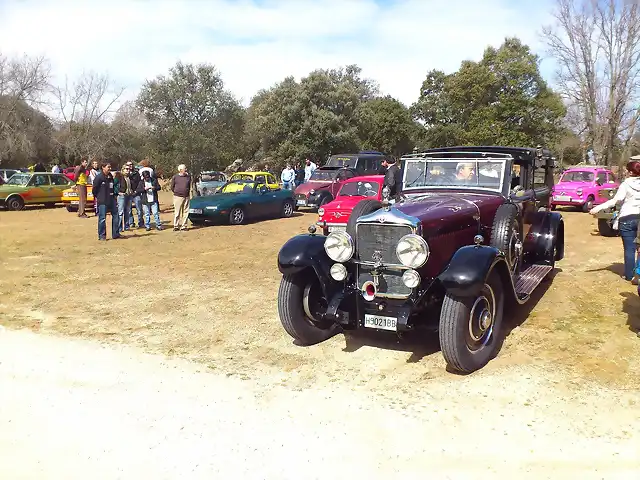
76, 409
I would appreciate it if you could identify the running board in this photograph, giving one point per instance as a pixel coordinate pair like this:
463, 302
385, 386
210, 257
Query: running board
530, 278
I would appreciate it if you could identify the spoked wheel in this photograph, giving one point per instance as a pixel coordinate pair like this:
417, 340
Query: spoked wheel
287, 208
505, 236
470, 328
236, 216
300, 307
514, 252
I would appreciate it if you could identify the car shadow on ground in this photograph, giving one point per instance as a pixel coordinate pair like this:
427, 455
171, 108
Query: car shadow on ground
420, 344
253, 221
631, 306
617, 268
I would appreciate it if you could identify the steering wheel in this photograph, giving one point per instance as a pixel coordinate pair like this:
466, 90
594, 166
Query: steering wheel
370, 193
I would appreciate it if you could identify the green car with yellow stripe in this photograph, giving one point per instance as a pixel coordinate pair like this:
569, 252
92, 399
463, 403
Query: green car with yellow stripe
37, 188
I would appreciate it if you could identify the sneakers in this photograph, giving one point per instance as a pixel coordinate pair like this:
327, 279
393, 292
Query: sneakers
148, 229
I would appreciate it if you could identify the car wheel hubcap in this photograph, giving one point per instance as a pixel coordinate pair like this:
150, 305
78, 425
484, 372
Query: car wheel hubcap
515, 249
481, 319
288, 209
238, 216
313, 303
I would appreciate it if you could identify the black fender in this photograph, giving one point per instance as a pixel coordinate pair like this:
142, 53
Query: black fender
547, 232
322, 194
469, 268
306, 251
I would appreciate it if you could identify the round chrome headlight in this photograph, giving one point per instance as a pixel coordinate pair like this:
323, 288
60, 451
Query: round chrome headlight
412, 251
321, 211
411, 278
338, 272
339, 246
579, 191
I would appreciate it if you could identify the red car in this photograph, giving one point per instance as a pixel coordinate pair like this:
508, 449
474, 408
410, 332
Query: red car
335, 215
322, 187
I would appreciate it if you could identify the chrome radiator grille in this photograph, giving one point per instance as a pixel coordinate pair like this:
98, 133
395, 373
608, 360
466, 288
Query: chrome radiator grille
390, 282
379, 240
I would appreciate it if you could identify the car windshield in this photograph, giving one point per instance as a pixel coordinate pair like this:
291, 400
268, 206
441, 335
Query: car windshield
18, 179
360, 189
241, 176
238, 186
341, 161
323, 175
577, 176
470, 173
212, 177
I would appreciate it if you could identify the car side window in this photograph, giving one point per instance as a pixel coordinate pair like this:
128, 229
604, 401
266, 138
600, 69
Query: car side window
601, 178
39, 180
260, 179
612, 177
59, 180
271, 179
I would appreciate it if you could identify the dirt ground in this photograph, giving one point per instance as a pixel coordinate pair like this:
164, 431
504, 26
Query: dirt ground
209, 295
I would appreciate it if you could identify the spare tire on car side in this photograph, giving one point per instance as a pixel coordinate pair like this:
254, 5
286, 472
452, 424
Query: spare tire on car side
506, 235
364, 207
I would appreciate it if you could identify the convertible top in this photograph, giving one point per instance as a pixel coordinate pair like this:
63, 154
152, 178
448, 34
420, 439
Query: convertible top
521, 155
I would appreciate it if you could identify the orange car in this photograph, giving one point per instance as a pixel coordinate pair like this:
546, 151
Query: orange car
71, 199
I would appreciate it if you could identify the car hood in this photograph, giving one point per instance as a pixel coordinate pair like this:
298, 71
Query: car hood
311, 185
443, 213
571, 186
341, 206
219, 200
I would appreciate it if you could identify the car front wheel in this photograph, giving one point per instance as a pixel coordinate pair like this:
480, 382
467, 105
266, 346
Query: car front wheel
15, 203
300, 306
470, 328
588, 205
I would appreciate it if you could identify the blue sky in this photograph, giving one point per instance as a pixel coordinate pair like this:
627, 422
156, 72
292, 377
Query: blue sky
255, 43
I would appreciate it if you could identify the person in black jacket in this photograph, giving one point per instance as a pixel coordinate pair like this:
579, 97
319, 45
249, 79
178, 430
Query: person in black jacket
136, 200
393, 180
103, 195
147, 190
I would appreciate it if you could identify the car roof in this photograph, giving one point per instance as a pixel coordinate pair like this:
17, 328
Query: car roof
365, 178
518, 153
251, 173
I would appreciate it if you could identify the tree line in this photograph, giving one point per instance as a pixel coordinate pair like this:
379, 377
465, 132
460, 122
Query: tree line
188, 115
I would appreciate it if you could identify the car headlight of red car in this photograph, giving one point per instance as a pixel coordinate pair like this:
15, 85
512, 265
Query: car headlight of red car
320, 211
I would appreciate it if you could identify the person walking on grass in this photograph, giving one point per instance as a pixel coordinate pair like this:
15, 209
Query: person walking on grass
148, 188
80, 177
628, 197
181, 189
104, 196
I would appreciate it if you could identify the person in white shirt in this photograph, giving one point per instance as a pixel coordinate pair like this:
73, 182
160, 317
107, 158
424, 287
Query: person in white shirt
309, 169
628, 197
56, 168
287, 176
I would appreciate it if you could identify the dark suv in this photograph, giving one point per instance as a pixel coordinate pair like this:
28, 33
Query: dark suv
471, 237
365, 163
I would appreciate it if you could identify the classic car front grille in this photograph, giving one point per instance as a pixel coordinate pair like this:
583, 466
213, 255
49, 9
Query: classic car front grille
378, 242
389, 283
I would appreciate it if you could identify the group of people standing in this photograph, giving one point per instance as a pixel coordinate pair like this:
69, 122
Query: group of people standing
291, 178
118, 193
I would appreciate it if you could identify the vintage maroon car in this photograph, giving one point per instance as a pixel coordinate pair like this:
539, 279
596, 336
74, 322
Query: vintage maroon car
335, 215
468, 241
322, 187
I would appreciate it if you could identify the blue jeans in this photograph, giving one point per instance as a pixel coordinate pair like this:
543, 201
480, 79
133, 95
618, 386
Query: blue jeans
153, 208
628, 231
124, 209
137, 202
287, 185
102, 221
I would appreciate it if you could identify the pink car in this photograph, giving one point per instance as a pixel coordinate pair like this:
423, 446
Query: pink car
580, 187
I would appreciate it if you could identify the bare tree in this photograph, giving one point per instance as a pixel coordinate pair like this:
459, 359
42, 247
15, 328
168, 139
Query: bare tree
597, 46
24, 82
84, 108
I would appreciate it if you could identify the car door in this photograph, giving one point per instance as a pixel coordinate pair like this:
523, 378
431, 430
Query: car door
59, 183
40, 190
272, 183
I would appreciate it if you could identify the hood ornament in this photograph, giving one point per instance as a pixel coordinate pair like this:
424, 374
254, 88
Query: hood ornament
386, 192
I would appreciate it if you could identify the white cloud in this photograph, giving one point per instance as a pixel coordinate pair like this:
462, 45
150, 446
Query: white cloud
255, 44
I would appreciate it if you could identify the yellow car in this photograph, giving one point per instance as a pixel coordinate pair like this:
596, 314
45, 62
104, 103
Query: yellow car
264, 178
71, 199
26, 188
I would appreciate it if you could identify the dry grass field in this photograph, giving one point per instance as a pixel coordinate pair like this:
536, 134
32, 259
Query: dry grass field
209, 295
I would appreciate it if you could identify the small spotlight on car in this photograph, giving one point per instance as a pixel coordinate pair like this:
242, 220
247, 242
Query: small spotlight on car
312, 229
338, 272
320, 211
411, 278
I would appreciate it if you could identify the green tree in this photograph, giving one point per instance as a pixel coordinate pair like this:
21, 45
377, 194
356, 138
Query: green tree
500, 100
193, 119
386, 125
310, 118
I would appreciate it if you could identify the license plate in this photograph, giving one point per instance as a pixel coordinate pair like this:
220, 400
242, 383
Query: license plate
302, 202
75, 202
383, 323
562, 198
197, 211
337, 228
